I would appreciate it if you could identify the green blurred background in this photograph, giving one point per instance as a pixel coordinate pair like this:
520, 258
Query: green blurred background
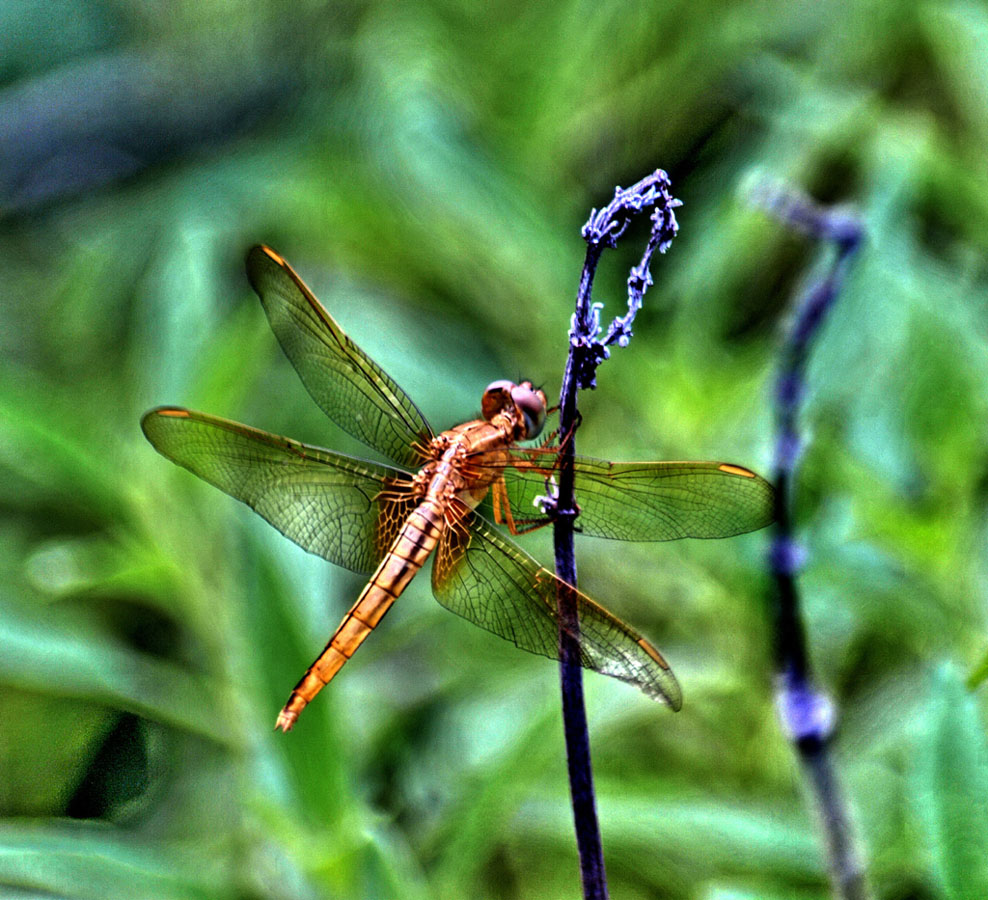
426, 167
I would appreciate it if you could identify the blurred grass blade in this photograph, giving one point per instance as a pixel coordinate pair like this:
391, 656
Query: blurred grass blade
90, 861
43, 455
50, 658
952, 789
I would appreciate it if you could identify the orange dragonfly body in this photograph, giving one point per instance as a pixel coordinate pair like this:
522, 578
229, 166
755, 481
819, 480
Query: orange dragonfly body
387, 520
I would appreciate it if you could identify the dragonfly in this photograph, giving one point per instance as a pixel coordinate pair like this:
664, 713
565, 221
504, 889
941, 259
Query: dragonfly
440, 495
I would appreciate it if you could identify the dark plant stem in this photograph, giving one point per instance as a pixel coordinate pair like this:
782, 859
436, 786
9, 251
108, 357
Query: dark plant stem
807, 714
587, 349
577, 736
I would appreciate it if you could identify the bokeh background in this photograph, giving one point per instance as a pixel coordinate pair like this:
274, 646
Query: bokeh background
426, 166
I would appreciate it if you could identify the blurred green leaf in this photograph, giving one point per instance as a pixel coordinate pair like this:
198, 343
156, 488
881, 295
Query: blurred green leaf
952, 787
62, 731
979, 674
94, 861
46, 655
742, 893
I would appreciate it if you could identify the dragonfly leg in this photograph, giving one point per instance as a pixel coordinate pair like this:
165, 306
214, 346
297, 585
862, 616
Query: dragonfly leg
504, 516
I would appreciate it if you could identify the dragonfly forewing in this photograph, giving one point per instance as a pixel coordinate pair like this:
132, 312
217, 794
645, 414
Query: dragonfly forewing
352, 389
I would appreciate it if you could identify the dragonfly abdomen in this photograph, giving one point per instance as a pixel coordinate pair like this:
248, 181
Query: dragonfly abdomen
403, 560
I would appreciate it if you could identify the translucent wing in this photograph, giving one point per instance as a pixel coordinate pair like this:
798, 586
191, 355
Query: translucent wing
353, 390
649, 501
327, 503
486, 578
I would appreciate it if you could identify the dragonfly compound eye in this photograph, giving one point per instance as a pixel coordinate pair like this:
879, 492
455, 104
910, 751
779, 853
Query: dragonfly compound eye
531, 403
497, 398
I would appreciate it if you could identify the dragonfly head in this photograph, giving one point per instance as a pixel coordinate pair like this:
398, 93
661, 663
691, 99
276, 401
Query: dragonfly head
525, 404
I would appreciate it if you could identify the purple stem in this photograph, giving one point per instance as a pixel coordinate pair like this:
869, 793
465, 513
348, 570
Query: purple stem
807, 714
586, 351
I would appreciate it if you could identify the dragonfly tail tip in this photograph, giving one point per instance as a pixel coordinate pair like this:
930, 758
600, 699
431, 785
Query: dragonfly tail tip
286, 720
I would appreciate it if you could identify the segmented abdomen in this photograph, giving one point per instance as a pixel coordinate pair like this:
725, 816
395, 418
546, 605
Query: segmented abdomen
406, 556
